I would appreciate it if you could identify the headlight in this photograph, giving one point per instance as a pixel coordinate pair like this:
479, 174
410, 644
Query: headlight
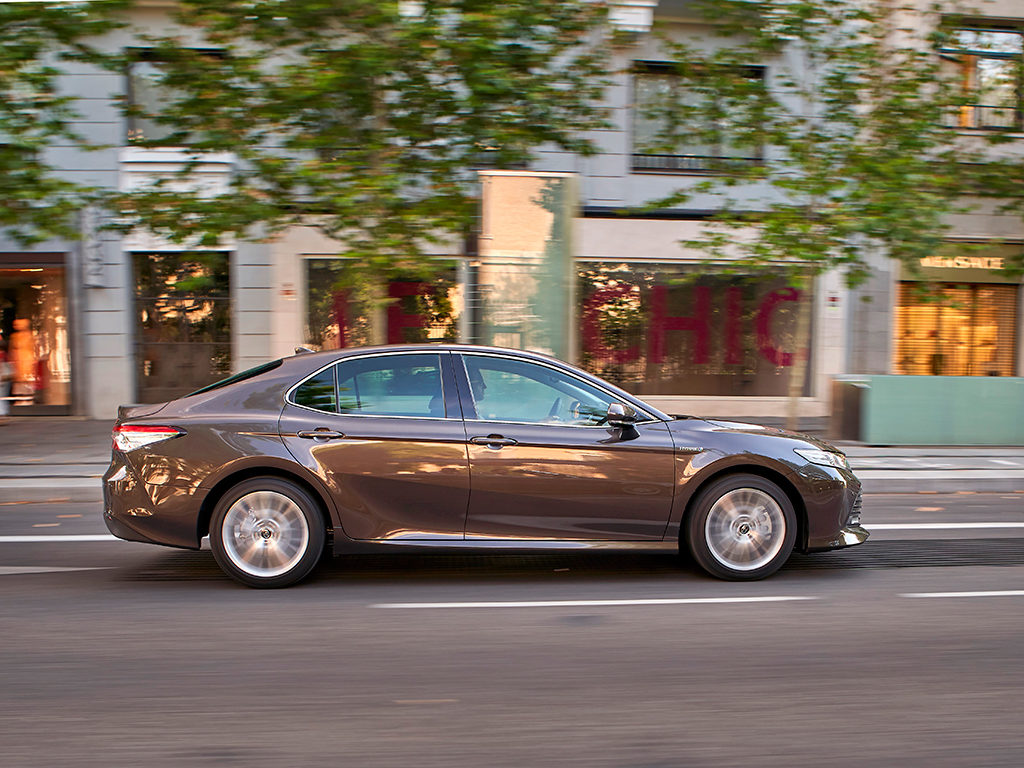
825, 458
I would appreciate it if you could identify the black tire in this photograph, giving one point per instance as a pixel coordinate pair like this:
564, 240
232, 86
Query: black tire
267, 532
741, 528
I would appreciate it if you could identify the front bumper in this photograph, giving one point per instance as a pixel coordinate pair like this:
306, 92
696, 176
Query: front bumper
850, 536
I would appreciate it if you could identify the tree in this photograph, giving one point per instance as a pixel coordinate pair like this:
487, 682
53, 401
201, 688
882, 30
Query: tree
35, 39
843, 151
363, 118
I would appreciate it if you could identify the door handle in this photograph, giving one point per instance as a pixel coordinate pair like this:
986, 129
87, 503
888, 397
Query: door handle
320, 434
493, 441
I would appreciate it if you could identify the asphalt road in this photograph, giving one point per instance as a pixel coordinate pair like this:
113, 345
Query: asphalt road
871, 656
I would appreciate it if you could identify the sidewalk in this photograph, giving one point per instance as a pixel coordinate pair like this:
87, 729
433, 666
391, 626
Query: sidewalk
43, 459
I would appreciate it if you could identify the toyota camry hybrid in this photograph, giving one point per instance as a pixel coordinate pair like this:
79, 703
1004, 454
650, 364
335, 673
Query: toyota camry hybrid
462, 446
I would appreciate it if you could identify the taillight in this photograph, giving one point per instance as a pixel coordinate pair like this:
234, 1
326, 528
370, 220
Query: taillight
128, 437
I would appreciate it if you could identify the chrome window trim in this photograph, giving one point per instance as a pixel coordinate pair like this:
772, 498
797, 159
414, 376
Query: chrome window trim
289, 401
615, 398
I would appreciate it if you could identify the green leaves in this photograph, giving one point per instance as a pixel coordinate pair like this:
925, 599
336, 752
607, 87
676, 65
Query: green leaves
347, 116
857, 156
35, 38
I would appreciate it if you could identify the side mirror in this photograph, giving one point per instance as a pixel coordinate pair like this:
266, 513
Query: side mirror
620, 415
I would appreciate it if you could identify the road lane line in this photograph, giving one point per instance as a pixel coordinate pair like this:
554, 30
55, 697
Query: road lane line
938, 526
57, 537
598, 603
1000, 593
17, 570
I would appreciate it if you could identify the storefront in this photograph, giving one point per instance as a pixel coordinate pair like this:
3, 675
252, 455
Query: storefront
34, 328
959, 315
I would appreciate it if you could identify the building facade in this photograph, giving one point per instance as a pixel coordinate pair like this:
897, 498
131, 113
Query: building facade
587, 275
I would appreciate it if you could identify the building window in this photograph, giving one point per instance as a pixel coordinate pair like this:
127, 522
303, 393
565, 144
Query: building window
951, 329
676, 329
340, 309
691, 125
183, 322
987, 63
146, 97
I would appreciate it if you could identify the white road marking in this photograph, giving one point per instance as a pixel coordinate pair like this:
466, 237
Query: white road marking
57, 537
426, 701
1002, 593
598, 603
938, 526
15, 570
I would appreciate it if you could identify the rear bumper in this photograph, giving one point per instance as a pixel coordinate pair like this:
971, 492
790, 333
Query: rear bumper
155, 514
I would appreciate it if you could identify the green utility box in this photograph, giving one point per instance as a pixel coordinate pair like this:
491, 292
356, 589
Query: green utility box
929, 410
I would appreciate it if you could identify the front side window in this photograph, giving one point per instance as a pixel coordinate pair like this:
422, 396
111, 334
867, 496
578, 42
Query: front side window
692, 124
382, 385
987, 64
503, 389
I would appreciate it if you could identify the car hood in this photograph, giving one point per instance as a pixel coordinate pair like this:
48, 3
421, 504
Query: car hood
739, 427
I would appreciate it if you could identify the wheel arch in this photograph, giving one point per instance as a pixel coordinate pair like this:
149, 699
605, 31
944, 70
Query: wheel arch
229, 481
760, 470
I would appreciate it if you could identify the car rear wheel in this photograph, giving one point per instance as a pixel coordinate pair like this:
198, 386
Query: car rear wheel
742, 528
267, 532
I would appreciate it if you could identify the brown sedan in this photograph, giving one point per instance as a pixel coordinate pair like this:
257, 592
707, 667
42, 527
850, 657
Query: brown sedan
461, 446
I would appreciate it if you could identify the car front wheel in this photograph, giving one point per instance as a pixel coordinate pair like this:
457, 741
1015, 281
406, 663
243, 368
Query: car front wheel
267, 532
742, 528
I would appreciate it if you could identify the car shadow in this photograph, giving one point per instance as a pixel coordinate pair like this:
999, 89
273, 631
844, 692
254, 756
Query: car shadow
434, 566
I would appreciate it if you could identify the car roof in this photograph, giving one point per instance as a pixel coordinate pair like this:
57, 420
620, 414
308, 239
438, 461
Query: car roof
427, 347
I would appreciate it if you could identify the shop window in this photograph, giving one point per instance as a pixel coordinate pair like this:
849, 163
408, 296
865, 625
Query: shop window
343, 305
956, 329
183, 322
34, 337
689, 126
987, 63
662, 329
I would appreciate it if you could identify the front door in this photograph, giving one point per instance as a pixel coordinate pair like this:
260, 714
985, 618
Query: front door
545, 465
385, 435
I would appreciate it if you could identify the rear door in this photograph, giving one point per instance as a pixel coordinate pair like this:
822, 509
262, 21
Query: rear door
385, 434
543, 463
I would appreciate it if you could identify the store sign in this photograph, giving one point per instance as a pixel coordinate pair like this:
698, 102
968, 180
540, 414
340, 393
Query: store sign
962, 262
700, 324
669, 329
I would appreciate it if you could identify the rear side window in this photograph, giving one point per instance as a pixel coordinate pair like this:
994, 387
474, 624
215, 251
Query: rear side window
382, 385
319, 392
